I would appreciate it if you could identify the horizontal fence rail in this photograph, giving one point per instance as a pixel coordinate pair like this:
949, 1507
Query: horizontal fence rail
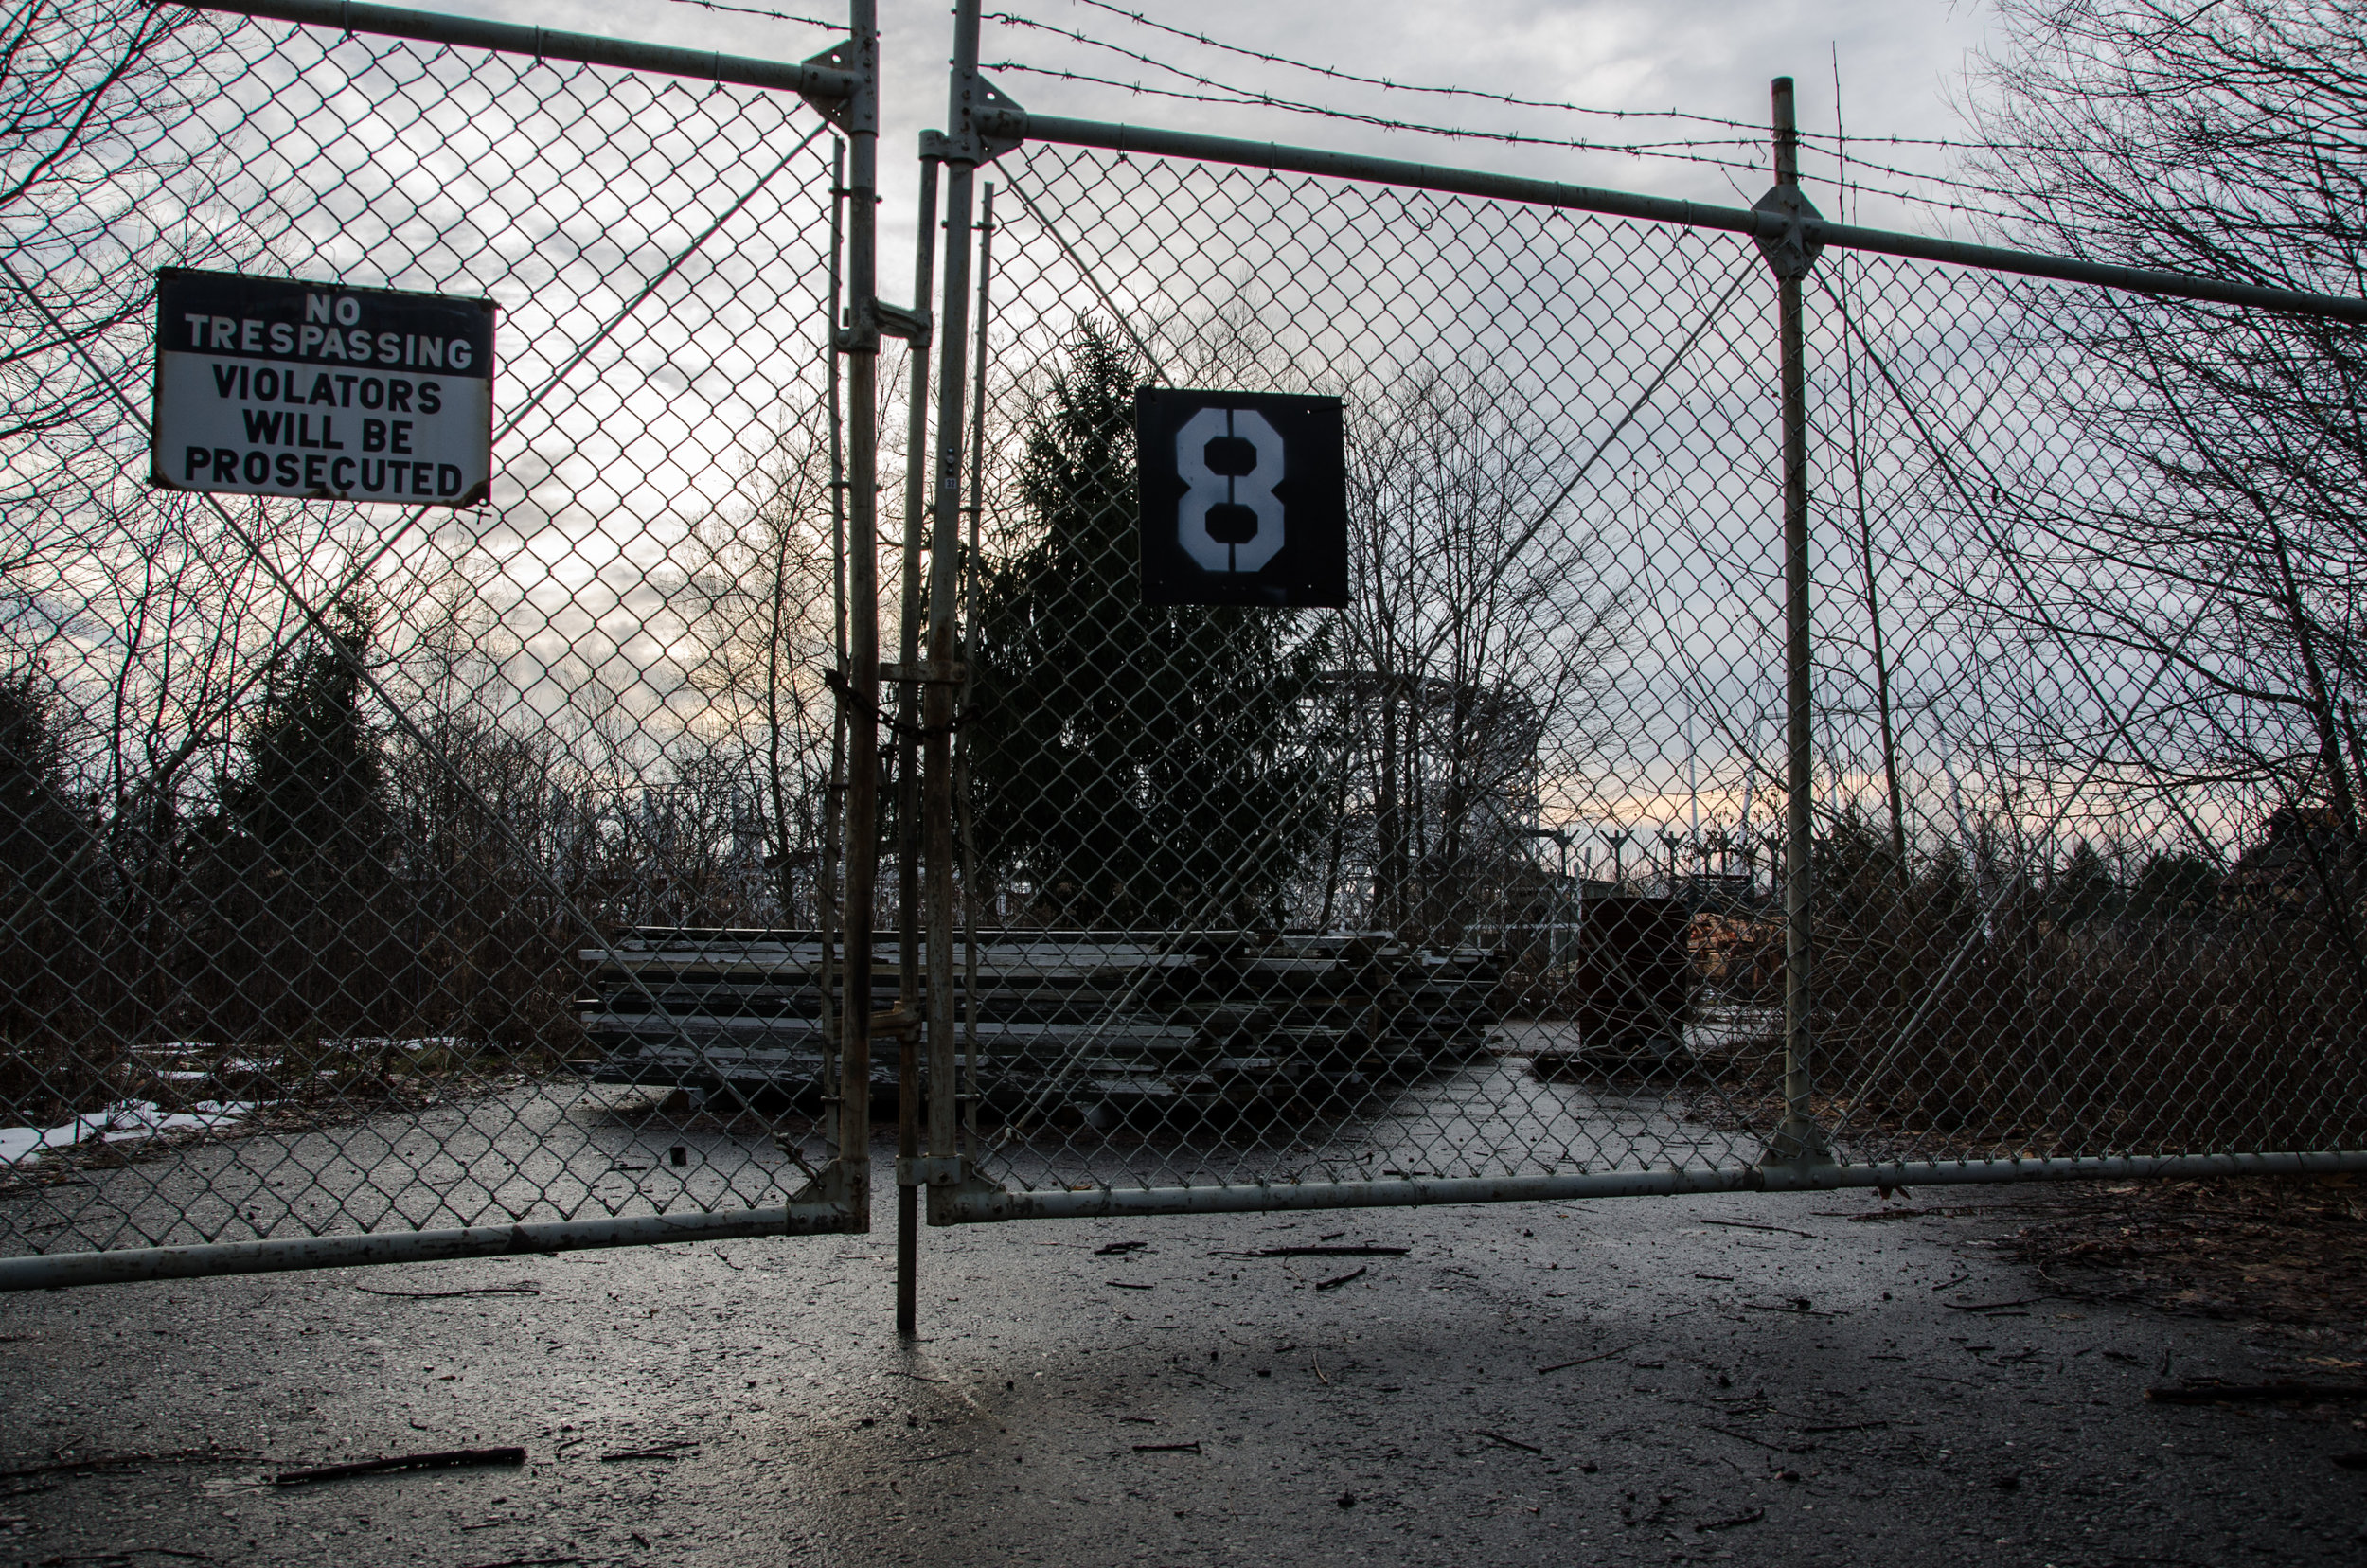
979, 1202
1020, 126
471, 33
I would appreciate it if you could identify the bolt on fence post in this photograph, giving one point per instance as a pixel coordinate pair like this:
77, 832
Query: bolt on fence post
859, 693
908, 775
1797, 1139
964, 152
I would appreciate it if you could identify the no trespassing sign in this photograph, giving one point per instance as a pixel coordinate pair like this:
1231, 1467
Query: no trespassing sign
274, 386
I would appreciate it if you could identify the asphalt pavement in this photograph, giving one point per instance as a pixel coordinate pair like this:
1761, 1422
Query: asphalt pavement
1750, 1379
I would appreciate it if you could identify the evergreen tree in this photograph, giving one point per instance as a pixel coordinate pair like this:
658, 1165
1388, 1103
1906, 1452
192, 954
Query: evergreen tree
2082, 887
314, 793
291, 868
1135, 764
2174, 886
49, 912
40, 825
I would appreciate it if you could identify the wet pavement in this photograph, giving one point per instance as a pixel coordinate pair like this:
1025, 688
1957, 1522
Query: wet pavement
1732, 1378
550, 1151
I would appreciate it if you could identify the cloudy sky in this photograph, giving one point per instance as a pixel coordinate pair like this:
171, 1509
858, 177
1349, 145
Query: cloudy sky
1901, 63
1685, 79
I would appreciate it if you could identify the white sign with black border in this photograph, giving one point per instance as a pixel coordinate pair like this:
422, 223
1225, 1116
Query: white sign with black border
276, 386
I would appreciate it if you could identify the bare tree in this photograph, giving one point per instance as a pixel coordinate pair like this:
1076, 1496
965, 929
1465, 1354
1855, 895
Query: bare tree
1481, 621
91, 92
2229, 547
761, 614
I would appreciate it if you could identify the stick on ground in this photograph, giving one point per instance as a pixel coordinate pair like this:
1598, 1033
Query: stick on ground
2253, 1393
448, 1459
1599, 1355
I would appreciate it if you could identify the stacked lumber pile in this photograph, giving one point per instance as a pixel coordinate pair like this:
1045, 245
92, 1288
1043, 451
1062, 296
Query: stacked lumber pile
1100, 1023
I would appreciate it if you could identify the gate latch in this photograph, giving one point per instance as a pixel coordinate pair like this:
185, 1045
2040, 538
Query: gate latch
875, 319
932, 1170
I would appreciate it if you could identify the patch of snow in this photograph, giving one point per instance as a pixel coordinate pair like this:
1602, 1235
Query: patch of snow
123, 1122
410, 1047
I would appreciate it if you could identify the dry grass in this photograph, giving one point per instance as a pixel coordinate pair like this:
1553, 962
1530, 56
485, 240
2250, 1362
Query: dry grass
2276, 1249
2022, 1034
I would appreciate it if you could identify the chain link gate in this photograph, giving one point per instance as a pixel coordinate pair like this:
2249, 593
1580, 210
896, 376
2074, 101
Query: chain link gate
389, 885
358, 860
1483, 888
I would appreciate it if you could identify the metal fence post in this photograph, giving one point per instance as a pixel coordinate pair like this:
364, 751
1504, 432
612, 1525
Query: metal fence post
908, 1081
964, 152
829, 906
1792, 256
859, 691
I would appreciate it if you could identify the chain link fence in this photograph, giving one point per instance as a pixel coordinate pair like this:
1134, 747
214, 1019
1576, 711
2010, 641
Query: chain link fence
322, 823
2090, 872
381, 882
1477, 886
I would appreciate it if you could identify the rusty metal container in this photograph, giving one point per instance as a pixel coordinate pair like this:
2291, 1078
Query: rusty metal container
1635, 978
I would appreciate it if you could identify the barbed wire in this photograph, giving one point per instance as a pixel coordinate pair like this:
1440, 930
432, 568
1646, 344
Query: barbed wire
1386, 84
1675, 149
760, 10
1846, 152
1921, 141
1256, 95
1247, 98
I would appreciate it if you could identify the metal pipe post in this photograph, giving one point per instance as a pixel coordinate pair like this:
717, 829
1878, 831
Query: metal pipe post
908, 777
858, 690
1798, 1137
964, 152
829, 910
968, 1118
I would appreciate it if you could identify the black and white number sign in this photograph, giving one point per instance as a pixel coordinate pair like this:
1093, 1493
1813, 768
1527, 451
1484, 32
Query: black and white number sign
271, 386
1244, 498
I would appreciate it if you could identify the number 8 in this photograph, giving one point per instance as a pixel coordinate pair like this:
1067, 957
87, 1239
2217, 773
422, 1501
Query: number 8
1210, 490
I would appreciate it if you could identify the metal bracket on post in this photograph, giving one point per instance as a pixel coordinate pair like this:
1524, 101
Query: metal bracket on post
838, 111
875, 319
1792, 251
991, 124
1008, 121
897, 322
827, 1200
932, 1170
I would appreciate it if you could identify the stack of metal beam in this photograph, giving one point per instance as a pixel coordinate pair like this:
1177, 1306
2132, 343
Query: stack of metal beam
1095, 1023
